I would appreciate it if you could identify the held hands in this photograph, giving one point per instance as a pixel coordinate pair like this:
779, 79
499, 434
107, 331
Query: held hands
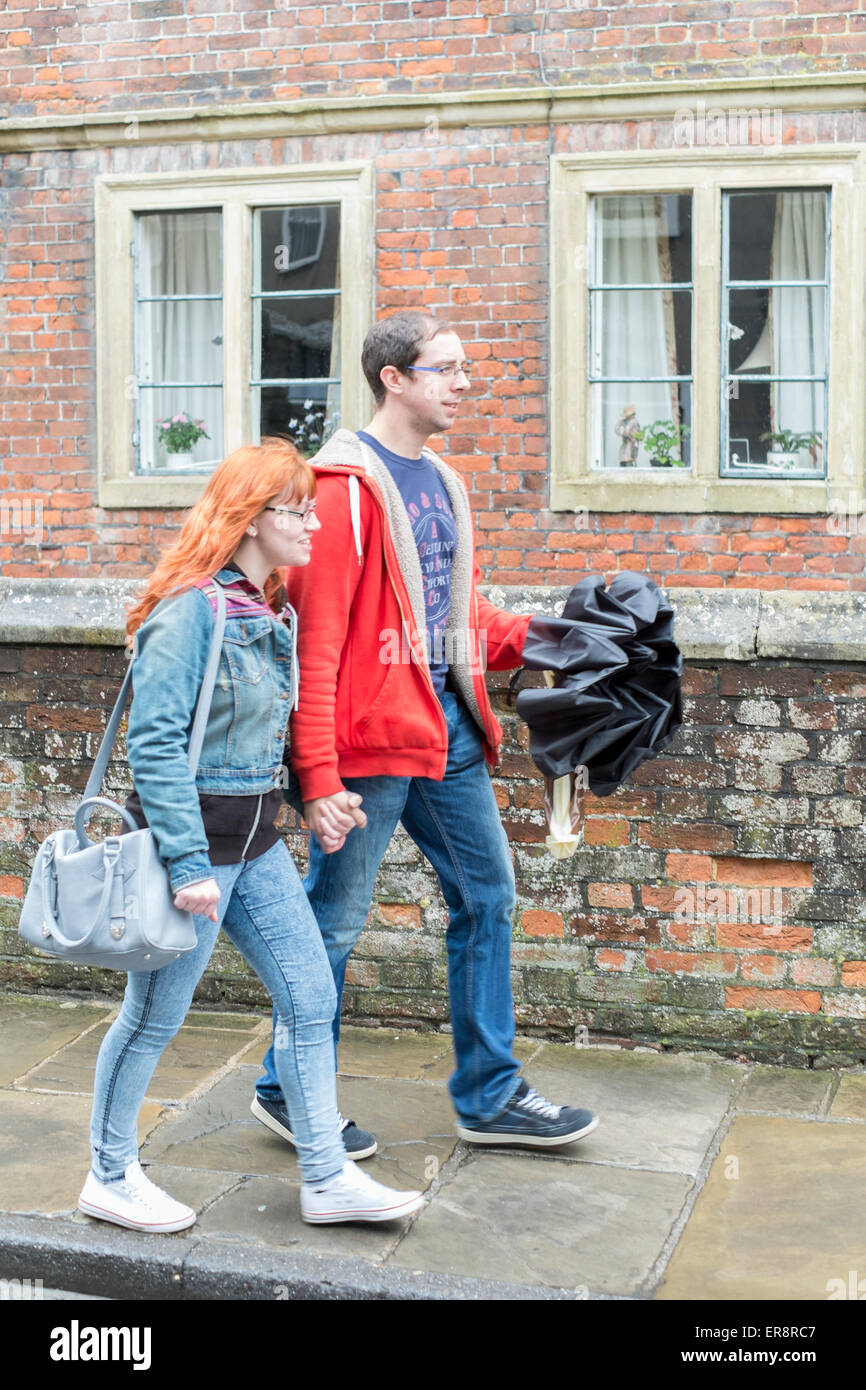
200, 898
332, 817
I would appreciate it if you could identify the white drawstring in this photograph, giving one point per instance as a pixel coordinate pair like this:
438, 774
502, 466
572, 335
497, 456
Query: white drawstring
355, 513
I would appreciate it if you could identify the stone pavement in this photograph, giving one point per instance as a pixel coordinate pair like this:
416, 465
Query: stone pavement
705, 1180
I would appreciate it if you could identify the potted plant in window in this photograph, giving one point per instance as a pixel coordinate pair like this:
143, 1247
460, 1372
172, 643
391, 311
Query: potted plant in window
310, 432
663, 442
180, 434
788, 446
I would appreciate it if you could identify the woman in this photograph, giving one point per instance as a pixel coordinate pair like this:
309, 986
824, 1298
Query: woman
215, 834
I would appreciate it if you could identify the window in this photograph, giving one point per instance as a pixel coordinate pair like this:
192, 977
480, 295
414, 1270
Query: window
706, 330
219, 300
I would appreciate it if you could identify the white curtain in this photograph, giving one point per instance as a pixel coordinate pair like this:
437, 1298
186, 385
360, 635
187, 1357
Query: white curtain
180, 253
632, 330
797, 315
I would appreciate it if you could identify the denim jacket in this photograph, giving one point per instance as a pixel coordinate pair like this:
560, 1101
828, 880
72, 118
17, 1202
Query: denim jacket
245, 736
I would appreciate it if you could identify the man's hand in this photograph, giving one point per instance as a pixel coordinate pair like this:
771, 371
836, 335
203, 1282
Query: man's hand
332, 817
200, 898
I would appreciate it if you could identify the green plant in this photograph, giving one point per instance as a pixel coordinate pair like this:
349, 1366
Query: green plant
790, 442
663, 442
180, 434
310, 431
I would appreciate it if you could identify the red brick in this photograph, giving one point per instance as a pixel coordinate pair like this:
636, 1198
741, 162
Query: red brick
783, 1001
537, 923
762, 873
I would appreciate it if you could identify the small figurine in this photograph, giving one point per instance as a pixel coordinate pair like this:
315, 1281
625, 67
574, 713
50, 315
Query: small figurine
628, 430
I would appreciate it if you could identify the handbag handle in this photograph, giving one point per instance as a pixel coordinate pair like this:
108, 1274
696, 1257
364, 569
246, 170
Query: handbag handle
202, 710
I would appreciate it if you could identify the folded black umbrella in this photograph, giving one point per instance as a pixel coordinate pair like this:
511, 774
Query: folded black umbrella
616, 696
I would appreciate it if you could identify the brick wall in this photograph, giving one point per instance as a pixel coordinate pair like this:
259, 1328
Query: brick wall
719, 899
462, 227
149, 53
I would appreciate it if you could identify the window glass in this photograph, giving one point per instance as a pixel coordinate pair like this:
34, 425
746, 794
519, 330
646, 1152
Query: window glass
640, 331
178, 340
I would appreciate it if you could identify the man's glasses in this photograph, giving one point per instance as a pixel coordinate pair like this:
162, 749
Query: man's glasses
308, 511
451, 370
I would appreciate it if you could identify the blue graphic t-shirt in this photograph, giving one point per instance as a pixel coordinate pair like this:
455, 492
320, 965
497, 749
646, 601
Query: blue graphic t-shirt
433, 526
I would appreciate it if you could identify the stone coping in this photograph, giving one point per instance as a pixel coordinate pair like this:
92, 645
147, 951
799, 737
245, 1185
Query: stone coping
711, 624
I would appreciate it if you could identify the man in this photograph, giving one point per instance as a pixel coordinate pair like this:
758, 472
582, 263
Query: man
394, 713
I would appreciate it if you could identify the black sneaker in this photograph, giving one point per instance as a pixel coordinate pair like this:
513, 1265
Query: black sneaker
530, 1119
357, 1142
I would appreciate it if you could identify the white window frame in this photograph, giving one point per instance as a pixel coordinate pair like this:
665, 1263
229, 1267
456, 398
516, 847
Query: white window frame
238, 192
574, 180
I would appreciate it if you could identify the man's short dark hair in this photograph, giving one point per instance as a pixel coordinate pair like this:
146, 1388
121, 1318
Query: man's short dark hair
396, 341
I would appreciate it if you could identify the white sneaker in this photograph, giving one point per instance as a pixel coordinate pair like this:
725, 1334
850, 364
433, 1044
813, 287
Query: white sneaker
135, 1202
353, 1196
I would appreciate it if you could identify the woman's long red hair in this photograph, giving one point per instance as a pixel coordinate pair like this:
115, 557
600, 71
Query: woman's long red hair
238, 490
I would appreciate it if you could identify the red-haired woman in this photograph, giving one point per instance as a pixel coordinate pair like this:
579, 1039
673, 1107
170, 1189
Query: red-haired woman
215, 834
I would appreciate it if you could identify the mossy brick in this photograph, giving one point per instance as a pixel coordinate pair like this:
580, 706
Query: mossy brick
542, 984
839, 811
383, 1004
766, 810
758, 775
405, 974
838, 748
852, 714
838, 875
761, 681
766, 840
57, 661
812, 843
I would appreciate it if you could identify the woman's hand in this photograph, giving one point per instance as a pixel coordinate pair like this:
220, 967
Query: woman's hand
200, 898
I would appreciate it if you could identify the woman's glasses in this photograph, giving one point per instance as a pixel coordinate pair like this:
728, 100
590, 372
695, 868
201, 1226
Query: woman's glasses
304, 516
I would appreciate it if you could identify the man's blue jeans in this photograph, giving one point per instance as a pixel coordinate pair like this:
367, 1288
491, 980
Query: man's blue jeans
265, 913
456, 825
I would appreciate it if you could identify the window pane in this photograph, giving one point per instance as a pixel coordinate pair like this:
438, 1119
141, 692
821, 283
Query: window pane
622, 410
776, 424
299, 248
178, 331
782, 332
778, 236
298, 339
641, 332
642, 239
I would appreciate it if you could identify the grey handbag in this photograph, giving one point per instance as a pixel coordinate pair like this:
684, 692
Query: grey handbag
111, 904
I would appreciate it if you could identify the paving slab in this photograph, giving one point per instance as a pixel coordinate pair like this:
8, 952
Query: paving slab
195, 1053
32, 1028
381, 1052
267, 1211
785, 1090
523, 1049
655, 1110
541, 1221
850, 1101
412, 1121
781, 1214
45, 1149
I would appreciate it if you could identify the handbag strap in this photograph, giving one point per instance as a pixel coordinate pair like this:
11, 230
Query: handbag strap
202, 709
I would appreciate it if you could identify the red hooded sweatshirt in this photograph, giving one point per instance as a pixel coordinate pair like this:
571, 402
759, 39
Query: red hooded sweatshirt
367, 706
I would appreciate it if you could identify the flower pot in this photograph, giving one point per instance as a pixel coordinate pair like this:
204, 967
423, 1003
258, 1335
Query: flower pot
177, 463
777, 459
660, 463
